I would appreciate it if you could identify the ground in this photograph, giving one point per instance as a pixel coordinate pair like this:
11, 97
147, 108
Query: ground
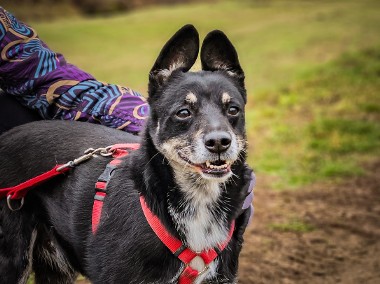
334, 238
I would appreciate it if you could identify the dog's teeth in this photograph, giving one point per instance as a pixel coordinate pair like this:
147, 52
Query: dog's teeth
217, 167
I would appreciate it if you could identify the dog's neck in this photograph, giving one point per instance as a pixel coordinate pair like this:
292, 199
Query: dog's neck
194, 207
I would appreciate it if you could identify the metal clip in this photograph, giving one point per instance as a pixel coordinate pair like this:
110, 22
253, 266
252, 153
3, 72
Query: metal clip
88, 154
105, 152
10, 206
204, 270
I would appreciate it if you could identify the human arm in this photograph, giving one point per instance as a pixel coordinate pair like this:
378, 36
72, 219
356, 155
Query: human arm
44, 81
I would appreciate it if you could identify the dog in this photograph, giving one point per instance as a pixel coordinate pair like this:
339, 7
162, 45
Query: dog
189, 170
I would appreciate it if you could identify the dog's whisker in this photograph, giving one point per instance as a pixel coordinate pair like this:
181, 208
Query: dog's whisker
152, 158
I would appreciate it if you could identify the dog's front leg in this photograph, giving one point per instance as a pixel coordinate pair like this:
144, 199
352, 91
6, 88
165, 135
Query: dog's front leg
50, 264
17, 237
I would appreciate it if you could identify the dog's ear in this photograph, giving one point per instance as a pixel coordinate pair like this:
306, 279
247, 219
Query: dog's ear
179, 53
218, 53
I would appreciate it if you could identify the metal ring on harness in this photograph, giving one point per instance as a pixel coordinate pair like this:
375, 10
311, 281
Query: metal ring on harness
10, 206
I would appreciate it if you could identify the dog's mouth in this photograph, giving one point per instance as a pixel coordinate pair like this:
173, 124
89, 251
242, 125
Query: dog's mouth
215, 169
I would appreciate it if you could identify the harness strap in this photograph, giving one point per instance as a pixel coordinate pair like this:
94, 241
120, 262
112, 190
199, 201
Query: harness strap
176, 246
101, 190
118, 152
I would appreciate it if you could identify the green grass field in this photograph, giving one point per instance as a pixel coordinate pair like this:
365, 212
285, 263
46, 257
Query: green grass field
312, 74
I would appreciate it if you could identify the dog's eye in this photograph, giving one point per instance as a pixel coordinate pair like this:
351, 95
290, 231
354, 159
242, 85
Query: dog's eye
233, 110
183, 113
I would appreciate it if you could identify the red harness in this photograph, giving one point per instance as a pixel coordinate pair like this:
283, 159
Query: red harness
176, 246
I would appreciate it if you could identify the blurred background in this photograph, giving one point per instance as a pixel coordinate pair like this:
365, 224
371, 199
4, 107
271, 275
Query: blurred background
312, 75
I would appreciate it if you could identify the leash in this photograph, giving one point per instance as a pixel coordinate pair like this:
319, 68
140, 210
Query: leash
19, 191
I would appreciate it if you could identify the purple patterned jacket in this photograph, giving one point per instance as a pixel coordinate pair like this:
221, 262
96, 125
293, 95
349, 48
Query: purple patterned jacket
43, 81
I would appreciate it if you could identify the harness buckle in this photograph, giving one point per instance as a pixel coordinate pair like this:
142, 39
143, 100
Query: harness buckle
190, 273
10, 205
204, 270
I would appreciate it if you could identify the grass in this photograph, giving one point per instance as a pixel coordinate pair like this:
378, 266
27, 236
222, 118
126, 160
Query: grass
294, 225
325, 125
312, 74
277, 42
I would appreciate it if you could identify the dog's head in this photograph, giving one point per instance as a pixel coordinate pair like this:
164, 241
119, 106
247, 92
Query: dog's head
197, 118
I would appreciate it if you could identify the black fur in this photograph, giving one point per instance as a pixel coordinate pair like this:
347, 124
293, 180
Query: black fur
54, 226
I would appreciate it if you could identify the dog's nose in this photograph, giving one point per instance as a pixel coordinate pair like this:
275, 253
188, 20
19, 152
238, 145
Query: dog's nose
217, 141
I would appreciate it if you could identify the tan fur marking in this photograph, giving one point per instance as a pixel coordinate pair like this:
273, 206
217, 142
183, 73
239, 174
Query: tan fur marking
191, 98
226, 98
167, 72
29, 257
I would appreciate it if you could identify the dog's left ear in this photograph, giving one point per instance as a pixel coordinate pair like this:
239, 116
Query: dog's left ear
218, 53
179, 53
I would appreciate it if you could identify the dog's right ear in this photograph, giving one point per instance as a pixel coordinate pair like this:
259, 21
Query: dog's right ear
179, 53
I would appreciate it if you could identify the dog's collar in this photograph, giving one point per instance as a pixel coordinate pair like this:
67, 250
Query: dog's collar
176, 246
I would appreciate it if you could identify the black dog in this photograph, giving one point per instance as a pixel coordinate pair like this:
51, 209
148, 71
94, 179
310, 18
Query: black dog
189, 170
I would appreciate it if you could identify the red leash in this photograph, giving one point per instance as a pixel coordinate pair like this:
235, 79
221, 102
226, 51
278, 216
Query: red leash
19, 191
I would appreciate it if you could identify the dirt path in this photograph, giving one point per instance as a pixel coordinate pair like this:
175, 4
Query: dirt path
342, 244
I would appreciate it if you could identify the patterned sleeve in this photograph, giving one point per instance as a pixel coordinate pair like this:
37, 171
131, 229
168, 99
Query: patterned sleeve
43, 81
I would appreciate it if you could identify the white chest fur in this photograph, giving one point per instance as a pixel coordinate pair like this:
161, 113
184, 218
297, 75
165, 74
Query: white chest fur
199, 218
203, 225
